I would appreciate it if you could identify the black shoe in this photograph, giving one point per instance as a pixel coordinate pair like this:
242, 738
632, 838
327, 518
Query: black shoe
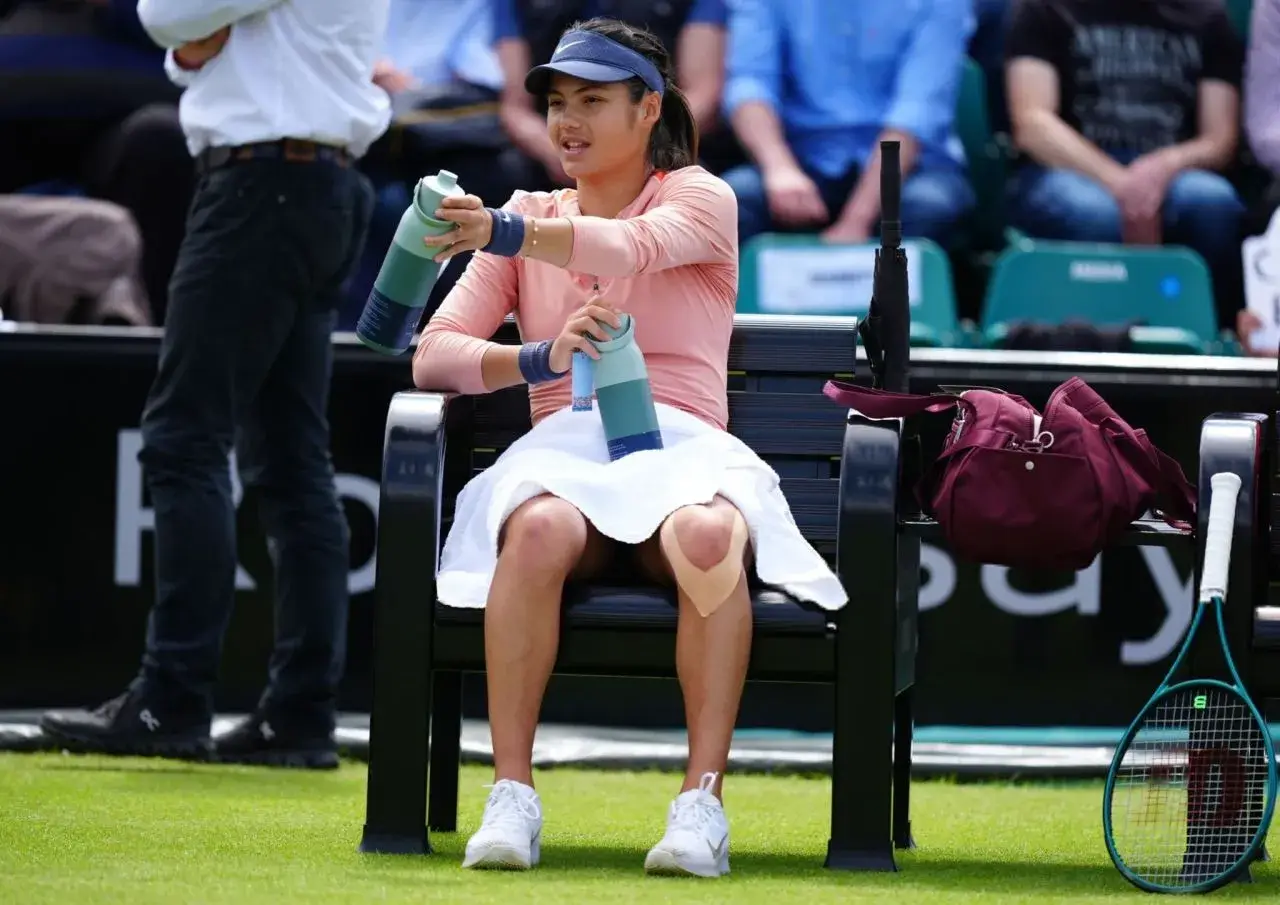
257, 741
130, 725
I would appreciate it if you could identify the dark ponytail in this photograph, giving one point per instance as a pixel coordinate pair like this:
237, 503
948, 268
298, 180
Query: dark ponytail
674, 141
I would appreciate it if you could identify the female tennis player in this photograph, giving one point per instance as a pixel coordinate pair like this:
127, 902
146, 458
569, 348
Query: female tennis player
648, 232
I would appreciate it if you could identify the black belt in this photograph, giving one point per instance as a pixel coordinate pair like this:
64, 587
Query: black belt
294, 150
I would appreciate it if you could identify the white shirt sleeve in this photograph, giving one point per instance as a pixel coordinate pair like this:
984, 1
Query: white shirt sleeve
179, 76
172, 23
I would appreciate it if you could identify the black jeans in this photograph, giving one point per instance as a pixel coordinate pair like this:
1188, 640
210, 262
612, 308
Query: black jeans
246, 362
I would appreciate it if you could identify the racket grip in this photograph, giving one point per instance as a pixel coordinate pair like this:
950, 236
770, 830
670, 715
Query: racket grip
1224, 488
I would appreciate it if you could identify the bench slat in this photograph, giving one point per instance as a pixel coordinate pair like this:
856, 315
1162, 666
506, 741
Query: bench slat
1145, 532
654, 609
776, 344
772, 424
1266, 628
813, 505
612, 630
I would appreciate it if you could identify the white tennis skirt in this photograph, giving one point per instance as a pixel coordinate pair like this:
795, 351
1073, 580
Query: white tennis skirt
566, 456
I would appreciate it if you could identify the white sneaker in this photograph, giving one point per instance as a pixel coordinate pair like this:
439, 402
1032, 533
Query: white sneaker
510, 835
697, 839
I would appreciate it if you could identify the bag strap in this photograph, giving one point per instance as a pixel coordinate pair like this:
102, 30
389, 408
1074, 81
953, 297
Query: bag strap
885, 404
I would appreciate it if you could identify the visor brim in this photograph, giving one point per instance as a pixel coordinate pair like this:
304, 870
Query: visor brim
538, 81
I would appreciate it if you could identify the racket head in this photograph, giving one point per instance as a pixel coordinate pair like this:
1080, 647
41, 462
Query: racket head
1191, 789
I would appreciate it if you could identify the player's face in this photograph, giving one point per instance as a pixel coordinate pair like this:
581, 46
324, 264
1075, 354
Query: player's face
597, 127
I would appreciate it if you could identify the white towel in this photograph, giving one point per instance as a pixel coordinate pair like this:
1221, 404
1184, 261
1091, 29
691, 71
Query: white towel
628, 500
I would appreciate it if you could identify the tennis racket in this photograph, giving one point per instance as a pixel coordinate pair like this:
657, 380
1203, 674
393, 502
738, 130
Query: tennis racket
1192, 786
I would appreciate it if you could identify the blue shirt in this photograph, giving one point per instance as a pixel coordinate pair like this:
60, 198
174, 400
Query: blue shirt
507, 24
439, 41
837, 72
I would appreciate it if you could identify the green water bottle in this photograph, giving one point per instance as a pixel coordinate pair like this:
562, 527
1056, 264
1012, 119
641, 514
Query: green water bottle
622, 391
408, 272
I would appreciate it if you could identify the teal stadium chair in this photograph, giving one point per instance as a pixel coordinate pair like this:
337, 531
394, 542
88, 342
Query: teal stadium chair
801, 274
1167, 289
1240, 12
984, 157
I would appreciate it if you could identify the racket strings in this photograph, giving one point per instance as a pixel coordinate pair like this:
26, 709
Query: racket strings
1190, 792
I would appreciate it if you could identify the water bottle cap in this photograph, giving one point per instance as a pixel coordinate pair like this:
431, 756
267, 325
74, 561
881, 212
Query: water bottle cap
432, 190
623, 329
617, 338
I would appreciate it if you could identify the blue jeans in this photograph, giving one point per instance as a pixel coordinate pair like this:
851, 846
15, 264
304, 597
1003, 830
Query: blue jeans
933, 201
1201, 210
245, 362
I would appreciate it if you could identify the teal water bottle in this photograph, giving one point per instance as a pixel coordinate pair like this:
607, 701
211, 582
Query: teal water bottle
404, 283
623, 392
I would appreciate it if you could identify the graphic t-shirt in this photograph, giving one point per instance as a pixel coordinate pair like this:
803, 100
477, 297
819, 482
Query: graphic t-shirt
1129, 70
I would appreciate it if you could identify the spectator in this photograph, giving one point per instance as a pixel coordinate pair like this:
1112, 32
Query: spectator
1262, 100
527, 31
986, 47
84, 102
69, 261
1262, 128
438, 55
1127, 110
814, 85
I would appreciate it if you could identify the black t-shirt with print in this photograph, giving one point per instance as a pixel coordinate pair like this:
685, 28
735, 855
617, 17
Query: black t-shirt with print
1129, 70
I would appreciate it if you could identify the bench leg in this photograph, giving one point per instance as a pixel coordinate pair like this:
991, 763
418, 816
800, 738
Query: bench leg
396, 788
902, 732
446, 751
396, 796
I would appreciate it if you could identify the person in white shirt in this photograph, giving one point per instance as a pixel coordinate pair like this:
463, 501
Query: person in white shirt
279, 103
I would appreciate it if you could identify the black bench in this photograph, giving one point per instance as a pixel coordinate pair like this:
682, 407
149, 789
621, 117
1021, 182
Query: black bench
846, 479
434, 442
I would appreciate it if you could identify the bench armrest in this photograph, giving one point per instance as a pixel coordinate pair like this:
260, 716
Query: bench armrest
411, 500
869, 555
420, 428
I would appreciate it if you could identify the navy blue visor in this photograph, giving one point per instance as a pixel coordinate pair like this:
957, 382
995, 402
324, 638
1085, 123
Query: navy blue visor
593, 58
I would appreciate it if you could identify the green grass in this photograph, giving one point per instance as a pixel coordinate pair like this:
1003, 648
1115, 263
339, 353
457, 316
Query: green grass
89, 830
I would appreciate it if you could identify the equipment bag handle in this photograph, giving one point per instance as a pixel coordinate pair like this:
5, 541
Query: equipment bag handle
874, 403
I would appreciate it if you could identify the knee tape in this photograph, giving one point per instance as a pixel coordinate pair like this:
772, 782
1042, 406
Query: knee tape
708, 589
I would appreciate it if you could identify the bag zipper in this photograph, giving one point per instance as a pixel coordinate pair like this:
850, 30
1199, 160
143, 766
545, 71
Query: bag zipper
1042, 439
958, 428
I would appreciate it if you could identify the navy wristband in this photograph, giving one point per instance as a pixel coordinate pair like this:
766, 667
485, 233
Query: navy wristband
507, 235
535, 363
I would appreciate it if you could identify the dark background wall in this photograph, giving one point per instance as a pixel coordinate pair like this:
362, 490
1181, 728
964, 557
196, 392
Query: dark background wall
997, 647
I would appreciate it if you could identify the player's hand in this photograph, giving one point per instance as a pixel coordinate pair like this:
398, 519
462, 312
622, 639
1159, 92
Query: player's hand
473, 227
583, 323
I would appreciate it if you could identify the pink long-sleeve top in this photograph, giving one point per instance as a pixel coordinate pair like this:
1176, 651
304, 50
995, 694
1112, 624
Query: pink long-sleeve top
670, 259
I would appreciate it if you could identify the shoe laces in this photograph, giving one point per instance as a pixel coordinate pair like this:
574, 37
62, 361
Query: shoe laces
694, 812
508, 806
